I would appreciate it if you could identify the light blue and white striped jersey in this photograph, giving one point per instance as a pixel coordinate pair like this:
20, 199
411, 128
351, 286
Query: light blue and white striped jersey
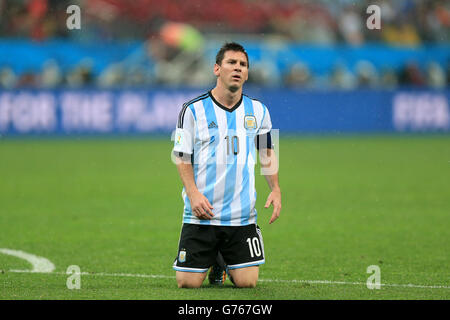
222, 144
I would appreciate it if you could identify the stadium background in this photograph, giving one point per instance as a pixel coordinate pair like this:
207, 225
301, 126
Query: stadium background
363, 116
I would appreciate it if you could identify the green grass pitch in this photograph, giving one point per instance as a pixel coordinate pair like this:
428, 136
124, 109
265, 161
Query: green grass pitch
113, 207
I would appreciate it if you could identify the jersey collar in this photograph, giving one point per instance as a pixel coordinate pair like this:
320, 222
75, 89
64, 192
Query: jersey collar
222, 106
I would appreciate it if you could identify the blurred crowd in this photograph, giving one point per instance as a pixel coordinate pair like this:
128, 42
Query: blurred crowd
174, 33
198, 74
408, 22
366, 76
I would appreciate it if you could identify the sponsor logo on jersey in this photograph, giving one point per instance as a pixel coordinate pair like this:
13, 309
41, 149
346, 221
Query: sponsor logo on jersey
212, 124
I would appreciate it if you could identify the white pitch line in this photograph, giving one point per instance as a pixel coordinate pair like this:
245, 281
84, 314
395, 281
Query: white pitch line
40, 264
355, 283
43, 265
101, 274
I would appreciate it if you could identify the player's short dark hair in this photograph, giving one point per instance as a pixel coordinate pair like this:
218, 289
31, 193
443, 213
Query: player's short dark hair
230, 46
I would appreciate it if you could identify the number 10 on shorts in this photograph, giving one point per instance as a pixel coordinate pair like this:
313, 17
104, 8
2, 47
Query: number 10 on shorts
254, 247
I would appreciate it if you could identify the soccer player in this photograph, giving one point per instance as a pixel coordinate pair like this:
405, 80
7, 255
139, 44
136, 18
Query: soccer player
215, 150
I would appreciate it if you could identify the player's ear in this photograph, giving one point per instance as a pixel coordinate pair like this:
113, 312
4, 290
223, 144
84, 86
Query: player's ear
216, 70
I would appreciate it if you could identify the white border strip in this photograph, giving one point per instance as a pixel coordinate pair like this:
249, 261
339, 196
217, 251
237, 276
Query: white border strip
190, 269
246, 264
101, 274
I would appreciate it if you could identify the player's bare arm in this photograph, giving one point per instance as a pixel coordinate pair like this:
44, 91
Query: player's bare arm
201, 207
269, 165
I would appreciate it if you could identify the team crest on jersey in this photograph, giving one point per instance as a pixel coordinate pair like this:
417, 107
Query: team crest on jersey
250, 122
182, 256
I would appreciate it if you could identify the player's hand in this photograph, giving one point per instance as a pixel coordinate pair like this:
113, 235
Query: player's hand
274, 198
201, 207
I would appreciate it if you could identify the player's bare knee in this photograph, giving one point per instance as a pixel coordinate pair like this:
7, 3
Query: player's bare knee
246, 277
189, 280
188, 283
245, 282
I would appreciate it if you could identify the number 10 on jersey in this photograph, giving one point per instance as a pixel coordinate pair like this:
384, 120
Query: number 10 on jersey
232, 144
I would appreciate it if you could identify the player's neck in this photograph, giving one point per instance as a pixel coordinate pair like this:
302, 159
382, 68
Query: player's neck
226, 97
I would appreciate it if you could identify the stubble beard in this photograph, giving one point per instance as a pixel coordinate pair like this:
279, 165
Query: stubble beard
233, 88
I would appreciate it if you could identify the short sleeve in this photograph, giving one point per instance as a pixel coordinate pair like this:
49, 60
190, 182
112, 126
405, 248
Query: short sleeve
266, 124
184, 133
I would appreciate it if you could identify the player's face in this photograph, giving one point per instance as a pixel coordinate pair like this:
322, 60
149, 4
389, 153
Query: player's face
233, 71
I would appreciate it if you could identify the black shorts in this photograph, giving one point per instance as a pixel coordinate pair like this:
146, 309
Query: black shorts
240, 246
